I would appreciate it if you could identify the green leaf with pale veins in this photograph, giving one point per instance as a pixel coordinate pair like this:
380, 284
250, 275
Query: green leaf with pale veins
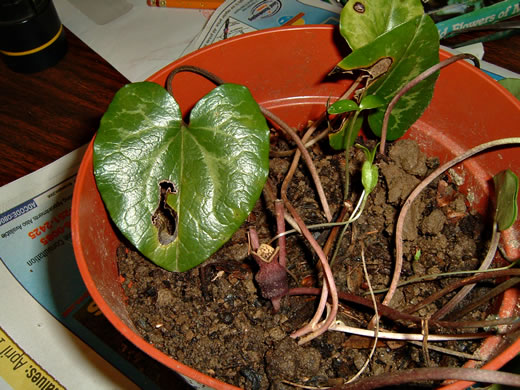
362, 21
506, 189
176, 191
410, 48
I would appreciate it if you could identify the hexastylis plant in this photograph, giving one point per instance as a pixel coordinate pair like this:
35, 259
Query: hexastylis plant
179, 190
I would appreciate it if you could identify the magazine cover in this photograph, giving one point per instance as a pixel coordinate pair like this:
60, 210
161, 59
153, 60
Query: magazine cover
441, 10
454, 16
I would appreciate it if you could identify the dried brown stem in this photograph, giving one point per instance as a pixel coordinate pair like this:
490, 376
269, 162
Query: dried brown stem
466, 289
308, 144
376, 329
485, 298
194, 69
415, 375
448, 351
306, 137
314, 328
307, 158
460, 283
396, 315
329, 284
335, 230
425, 332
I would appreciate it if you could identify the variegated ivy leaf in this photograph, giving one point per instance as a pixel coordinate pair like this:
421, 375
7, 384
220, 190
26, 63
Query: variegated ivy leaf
362, 21
177, 191
410, 48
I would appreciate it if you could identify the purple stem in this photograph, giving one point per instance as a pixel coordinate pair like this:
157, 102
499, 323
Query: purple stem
280, 229
424, 75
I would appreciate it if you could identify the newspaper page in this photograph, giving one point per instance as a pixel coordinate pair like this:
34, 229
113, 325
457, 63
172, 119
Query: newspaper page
38, 352
235, 17
36, 252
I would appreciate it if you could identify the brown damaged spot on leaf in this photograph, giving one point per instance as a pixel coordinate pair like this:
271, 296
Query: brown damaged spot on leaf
359, 7
379, 68
164, 217
372, 72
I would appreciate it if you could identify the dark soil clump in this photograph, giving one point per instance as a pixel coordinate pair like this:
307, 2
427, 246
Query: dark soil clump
214, 319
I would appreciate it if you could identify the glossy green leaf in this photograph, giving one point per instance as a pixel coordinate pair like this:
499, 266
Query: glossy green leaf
178, 192
512, 85
370, 102
339, 141
412, 47
506, 189
362, 21
342, 106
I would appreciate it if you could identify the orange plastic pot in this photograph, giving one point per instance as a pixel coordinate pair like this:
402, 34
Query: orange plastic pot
286, 70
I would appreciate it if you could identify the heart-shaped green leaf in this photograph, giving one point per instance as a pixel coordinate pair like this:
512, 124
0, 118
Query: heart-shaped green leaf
179, 192
412, 47
506, 188
362, 21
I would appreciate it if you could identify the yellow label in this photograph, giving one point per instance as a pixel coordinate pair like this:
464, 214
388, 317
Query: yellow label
20, 371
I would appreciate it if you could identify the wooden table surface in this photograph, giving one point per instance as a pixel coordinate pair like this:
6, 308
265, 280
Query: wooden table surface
45, 115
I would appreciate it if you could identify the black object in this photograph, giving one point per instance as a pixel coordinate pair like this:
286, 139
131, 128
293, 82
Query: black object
31, 35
